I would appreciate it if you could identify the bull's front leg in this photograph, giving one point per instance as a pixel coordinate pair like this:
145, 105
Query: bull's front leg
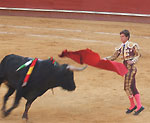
28, 105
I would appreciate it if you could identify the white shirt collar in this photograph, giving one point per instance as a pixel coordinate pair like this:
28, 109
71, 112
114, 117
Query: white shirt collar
125, 43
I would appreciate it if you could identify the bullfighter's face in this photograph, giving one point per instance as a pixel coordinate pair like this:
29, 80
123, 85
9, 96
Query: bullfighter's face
123, 38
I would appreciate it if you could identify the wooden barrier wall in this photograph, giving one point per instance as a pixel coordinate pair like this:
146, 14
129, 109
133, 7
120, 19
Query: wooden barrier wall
123, 6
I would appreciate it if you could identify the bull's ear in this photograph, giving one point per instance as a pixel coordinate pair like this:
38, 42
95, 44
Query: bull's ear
73, 68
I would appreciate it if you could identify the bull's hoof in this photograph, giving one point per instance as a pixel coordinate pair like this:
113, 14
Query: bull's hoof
3, 109
25, 117
25, 121
5, 113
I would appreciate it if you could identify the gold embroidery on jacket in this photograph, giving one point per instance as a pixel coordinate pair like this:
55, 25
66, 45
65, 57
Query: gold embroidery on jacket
131, 52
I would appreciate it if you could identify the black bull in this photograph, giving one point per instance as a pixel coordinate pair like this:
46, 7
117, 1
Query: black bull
45, 75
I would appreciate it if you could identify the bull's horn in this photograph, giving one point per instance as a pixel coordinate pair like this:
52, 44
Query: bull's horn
73, 68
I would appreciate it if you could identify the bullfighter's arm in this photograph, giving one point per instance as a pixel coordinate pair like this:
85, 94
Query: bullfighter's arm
114, 56
137, 54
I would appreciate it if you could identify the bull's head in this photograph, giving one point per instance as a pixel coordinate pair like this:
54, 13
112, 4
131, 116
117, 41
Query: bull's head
68, 77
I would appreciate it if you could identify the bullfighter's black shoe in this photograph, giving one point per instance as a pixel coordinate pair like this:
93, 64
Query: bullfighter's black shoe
129, 111
137, 112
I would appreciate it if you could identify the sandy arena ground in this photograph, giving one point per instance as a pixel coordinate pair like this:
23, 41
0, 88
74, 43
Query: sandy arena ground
99, 96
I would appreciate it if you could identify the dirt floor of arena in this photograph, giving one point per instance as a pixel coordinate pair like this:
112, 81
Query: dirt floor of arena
99, 96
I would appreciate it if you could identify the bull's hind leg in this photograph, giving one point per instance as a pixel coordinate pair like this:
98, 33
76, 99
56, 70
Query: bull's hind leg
28, 105
7, 95
16, 102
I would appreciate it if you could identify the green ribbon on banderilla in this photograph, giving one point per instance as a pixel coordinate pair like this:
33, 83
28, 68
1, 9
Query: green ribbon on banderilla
25, 65
29, 62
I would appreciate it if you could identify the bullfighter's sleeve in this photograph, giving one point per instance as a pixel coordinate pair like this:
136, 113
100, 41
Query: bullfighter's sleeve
137, 53
114, 56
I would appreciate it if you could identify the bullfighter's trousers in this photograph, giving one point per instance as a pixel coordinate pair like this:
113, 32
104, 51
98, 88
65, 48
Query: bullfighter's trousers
129, 82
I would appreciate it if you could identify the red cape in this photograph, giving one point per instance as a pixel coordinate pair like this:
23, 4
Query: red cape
89, 57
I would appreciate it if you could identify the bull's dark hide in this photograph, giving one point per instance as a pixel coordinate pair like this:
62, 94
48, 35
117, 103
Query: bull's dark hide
45, 76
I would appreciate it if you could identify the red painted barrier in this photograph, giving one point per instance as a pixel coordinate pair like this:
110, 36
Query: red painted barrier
123, 6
